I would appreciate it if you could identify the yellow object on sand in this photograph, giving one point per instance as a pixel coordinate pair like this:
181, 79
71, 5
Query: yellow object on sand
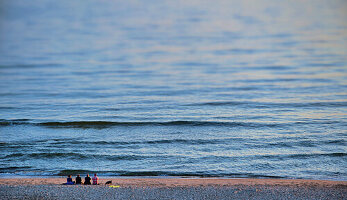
114, 186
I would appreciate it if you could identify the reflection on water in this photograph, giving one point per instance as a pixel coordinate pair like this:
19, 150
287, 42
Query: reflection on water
226, 88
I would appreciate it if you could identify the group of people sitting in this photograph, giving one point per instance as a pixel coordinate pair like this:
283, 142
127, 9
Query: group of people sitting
78, 180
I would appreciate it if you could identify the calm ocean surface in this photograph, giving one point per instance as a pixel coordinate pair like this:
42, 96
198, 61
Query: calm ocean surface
174, 88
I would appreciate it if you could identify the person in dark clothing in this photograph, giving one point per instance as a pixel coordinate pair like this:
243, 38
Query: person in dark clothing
69, 181
87, 180
78, 179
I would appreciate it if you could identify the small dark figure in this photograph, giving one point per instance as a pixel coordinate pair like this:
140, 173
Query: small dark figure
78, 179
87, 180
69, 181
108, 182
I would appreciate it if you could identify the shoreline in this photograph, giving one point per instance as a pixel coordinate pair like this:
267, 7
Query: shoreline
173, 188
177, 182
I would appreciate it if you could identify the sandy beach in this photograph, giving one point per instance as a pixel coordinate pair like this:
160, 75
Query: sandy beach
173, 188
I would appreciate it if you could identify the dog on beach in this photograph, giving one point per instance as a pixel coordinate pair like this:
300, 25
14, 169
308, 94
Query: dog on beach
108, 182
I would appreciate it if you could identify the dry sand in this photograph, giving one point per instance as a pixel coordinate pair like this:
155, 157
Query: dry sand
173, 188
180, 182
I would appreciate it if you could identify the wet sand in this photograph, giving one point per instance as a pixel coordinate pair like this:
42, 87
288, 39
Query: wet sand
174, 188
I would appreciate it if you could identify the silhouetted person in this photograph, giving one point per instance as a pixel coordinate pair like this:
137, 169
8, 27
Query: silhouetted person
95, 179
87, 180
78, 179
69, 181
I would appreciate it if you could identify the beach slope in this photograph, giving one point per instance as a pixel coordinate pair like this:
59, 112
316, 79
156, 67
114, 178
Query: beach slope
173, 188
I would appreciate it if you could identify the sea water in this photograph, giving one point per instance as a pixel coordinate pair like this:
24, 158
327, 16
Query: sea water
174, 88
